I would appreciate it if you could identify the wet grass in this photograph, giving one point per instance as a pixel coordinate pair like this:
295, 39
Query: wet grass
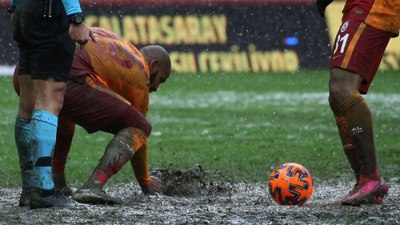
240, 124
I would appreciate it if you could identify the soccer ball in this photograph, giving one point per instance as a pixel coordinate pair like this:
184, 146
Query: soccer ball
290, 184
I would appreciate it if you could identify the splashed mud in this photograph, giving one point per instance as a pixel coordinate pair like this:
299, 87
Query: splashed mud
195, 182
196, 196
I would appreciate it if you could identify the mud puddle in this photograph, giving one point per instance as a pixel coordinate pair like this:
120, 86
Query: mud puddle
196, 196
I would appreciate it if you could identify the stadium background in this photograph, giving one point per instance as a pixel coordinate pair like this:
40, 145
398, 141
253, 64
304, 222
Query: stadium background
211, 36
234, 122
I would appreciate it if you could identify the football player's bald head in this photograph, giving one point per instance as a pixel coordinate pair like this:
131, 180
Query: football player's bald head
159, 63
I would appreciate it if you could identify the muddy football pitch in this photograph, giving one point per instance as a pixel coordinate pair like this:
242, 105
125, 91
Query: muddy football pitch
198, 197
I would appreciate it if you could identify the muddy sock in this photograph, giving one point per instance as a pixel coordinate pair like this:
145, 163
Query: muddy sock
22, 140
118, 152
349, 149
43, 130
354, 120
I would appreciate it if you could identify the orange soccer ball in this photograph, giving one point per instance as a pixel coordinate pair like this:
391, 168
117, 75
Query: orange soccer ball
290, 184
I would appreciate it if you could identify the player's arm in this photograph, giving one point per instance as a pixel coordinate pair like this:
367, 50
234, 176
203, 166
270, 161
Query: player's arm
139, 162
321, 6
71, 7
78, 31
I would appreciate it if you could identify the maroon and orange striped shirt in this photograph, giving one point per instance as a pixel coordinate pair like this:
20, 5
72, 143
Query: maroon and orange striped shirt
381, 14
115, 64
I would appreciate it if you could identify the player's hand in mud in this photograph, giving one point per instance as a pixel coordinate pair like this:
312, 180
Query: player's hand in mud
154, 187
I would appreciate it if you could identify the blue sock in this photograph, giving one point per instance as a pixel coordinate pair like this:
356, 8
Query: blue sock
22, 137
43, 131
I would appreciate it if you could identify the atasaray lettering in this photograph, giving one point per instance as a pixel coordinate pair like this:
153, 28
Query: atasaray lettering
165, 29
197, 30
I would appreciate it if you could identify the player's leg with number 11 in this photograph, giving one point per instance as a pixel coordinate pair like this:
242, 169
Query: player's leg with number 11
357, 52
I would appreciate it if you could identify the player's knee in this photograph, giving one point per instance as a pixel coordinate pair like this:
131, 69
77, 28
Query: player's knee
146, 128
342, 83
143, 125
336, 83
334, 104
128, 133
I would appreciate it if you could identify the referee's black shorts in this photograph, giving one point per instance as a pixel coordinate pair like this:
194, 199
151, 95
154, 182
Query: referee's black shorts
40, 27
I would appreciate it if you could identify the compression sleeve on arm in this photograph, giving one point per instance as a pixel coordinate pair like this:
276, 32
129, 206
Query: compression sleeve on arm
15, 2
71, 6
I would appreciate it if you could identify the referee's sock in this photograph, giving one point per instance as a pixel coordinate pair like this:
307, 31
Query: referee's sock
22, 137
43, 131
